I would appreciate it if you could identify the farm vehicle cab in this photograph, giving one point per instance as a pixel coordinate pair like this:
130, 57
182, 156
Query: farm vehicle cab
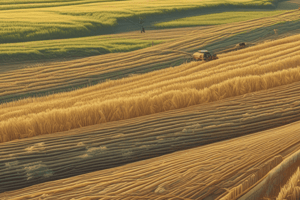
204, 55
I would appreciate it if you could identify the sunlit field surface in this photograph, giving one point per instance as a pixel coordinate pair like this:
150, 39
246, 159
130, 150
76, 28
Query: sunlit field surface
221, 170
74, 47
218, 18
253, 69
92, 108
22, 22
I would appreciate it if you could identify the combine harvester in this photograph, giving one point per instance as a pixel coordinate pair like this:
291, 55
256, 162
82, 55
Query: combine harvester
204, 55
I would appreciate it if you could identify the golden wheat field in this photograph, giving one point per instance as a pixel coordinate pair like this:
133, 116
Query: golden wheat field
229, 169
222, 170
149, 122
256, 68
62, 155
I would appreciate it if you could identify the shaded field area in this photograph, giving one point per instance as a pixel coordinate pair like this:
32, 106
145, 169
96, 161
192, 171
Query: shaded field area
61, 77
49, 157
209, 171
154, 35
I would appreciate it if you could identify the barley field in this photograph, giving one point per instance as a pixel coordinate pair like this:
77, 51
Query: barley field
256, 68
44, 158
90, 108
211, 171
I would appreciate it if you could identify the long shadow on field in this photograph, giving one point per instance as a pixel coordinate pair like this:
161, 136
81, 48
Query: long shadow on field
123, 25
50, 157
132, 23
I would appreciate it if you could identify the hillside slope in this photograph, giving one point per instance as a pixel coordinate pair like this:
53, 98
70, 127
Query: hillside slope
69, 75
30, 161
204, 172
256, 68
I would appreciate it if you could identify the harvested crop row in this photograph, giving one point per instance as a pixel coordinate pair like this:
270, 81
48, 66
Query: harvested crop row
270, 185
91, 148
291, 190
100, 68
174, 88
203, 172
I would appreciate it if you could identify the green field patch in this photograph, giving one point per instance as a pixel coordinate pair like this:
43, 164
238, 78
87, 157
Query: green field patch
91, 17
66, 48
218, 18
25, 4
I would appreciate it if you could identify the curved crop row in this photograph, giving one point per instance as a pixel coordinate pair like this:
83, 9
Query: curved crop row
291, 190
64, 76
175, 88
208, 171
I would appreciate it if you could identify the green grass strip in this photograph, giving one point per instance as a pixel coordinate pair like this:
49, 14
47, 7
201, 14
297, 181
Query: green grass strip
19, 23
66, 48
218, 18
